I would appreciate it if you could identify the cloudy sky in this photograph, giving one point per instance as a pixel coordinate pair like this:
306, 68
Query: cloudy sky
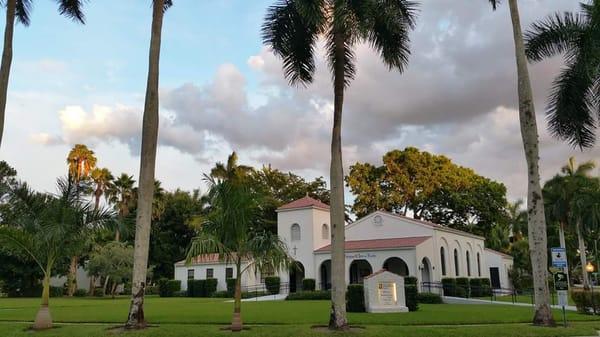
221, 90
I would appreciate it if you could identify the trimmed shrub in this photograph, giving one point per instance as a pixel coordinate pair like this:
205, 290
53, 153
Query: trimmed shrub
80, 293
308, 284
230, 286
309, 295
475, 286
210, 286
486, 287
167, 288
410, 280
355, 298
586, 301
462, 287
150, 290
221, 294
56, 291
429, 298
180, 293
196, 288
411, 293
273, 284
449, 285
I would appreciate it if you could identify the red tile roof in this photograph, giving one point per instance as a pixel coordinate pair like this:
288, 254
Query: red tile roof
305, 202
201, 259
380, 243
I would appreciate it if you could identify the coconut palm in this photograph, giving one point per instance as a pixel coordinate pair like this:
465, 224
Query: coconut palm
535, 205
103, 179
19, 10
230, 230
517, 219
122, 195
47, 228
292, 29
231, 170
574, 101
81, 161
143, 220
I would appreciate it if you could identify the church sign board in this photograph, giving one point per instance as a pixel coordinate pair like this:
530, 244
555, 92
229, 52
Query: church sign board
384, 292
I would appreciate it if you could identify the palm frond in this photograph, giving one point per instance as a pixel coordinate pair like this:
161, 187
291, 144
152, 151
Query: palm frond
207, 243
292, 37
347, 58
494, 4
72, 9
22, 11
573, 106
20, 241
554, 35
268, 252
166, 4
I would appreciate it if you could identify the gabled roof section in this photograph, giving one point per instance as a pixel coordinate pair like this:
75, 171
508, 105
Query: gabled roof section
506, 256
206, 259
392, 243
306, 202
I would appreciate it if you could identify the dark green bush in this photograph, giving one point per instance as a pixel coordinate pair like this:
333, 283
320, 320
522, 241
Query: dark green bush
57, 291
462, 287
273, 284
196, 288
308, 284
486, 287
167, 288
221, 294
449, 285
310, 295
230, 286
411, 293
355, 298
475, 286
80, 293
253, 294
429, 298
586, 301
210, 286
410, 280
180, 293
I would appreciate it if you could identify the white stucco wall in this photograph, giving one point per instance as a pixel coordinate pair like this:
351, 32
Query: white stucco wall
219, 269
503, 263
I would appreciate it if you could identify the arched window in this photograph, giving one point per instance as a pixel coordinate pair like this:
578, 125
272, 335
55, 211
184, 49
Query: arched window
468, 265
296, 232
456, 269
325, 232
443, 260
478, 265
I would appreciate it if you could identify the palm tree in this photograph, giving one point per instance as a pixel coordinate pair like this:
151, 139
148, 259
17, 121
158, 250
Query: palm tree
230, 230
46, 229
535, 205
291, 29
517, 219
103, 180
586, 215
231, 170
143, 220
19, 10
561, 193
81, 162
574, 100
122, 194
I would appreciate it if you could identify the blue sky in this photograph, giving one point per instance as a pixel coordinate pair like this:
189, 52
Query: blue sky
221, 90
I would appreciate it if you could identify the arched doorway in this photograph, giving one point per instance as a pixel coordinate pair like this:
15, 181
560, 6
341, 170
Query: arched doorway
396, 265
296, 276
359, 269
426, 274
325, 273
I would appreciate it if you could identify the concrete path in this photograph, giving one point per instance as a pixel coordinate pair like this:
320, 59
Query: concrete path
460, 300
278, 297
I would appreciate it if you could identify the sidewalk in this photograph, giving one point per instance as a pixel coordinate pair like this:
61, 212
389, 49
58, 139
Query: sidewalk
461, 300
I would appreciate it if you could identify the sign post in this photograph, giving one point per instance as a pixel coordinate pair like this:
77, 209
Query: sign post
561, 285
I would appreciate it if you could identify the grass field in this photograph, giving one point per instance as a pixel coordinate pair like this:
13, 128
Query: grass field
203, 317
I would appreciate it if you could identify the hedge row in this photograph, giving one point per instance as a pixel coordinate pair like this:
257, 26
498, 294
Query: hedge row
168, 288
465, 287
355, 298
273, 284
202, 288
429, 298
310, 295
587, 302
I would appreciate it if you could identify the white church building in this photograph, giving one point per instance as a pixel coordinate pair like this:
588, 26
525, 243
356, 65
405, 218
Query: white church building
380, 240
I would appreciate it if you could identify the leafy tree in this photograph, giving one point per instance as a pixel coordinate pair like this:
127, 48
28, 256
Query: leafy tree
113, 260
135, 318
574, 101
19, 10
535, 204
173, 232
230, 230
586, 216
45, 229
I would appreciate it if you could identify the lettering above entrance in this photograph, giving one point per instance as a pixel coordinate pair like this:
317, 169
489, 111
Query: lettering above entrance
360, 255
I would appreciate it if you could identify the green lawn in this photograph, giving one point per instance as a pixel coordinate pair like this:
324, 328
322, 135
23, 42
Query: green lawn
202, 317
524, 299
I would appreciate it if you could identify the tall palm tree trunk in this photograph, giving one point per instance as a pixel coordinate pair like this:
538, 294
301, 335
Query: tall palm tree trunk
582, 256
535, 204
236, 320
147, 164
6, 60
72, 277
43, 319
337, 319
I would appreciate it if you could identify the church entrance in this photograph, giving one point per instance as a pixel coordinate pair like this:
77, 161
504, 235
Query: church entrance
325, 281
296, 277
359, 269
